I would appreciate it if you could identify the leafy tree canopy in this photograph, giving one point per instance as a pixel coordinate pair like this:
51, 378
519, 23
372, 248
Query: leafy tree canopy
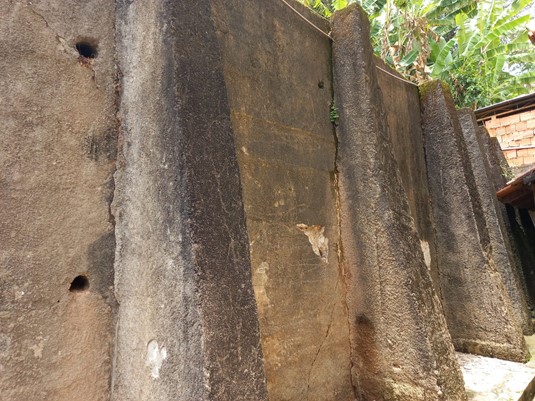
479, 47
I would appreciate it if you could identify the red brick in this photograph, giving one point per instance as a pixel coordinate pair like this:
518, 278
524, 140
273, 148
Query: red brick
500, 122
510, 129
524, 152
517, 161
510, 154
529, 159
525, 142
521, 126
526, 134
525, 116
513, 119
490, 123
500, 131
531, 123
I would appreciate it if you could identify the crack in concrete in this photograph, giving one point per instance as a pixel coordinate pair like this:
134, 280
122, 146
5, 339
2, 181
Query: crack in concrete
59, 38
67, 49
324, 338
340, 256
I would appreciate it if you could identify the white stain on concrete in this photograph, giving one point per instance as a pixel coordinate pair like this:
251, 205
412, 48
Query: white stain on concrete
260, 281
427, 252
38, 348
155, 357
316, 237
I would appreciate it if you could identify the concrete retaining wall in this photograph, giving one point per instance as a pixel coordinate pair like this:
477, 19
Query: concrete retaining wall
263, 241
187, 320
479, 321
286, 152
57, 157
400, 346
499, 255
401, 100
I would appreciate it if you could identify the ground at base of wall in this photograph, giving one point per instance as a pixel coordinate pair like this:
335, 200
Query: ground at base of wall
490, 379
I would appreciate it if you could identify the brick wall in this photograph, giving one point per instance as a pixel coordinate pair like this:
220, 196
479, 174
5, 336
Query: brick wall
516, 134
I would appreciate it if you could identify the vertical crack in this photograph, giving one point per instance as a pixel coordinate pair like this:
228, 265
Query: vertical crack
340, 248
341, 264
327, 332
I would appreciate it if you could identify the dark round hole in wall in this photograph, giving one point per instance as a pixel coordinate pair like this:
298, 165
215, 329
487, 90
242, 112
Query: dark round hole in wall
86, 49
79, 284
321, 84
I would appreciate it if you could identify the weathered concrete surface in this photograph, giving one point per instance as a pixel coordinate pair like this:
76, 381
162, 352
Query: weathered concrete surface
400, 346
402, 106
286, 153
187, 324
499, 255
57, 141
478, 310
521, 244
524, 234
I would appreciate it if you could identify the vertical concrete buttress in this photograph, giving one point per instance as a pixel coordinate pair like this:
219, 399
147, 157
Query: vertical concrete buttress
400, 346
187, 319
516, 240
500, 255
478, 309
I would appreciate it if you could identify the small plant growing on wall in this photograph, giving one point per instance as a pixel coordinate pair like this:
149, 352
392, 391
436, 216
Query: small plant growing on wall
334, 114
507, 171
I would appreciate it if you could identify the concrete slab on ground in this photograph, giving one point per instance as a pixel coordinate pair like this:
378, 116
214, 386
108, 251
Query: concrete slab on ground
491, 379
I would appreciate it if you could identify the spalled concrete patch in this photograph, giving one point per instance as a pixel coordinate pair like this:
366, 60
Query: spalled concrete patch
316, 237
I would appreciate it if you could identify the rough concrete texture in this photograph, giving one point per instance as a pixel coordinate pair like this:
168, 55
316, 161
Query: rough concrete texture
402, 106
497, 165
400, 346
187, 320
58, 134
286, 152
518, 236
524, 235
499, 255
478, 310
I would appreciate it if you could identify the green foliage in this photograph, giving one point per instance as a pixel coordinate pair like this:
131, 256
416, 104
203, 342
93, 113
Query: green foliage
480, 48
485, 61
507, 171
333, 114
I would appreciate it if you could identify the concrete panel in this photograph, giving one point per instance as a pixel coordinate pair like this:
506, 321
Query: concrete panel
57, 151
286, 152
478, 310
400, 346
187, 320
402, 106
499, 254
